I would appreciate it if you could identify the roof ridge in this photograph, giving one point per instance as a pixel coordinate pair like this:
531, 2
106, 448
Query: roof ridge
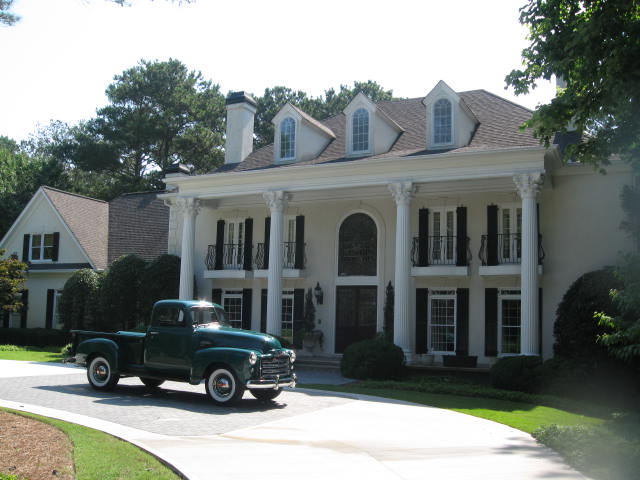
46, 187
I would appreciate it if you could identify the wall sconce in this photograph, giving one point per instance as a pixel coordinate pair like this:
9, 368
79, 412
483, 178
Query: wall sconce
318, 293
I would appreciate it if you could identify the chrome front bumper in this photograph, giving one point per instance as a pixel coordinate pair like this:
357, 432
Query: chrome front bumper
274, 384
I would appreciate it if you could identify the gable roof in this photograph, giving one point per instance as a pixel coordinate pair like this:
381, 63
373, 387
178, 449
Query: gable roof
499, 127
87, 219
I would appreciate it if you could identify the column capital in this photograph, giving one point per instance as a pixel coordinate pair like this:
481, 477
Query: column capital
276, 200
529, 184
402, 192
188, 205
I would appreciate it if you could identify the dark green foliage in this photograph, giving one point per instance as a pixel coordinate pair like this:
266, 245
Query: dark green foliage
120, 293
376, 359
80, 301
389, 301
12, 277
36, 337
575, 329
607, 451
518, 373
160, 281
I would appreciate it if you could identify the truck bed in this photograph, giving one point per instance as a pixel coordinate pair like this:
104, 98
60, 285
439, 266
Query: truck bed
130, 344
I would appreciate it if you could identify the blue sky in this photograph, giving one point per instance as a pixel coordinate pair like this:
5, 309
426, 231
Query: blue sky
58, 60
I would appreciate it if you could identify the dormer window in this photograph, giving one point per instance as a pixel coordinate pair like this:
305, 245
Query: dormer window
360, 131
442, 122
288, 139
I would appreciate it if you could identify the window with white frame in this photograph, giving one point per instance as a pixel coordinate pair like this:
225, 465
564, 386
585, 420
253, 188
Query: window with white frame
442, 321
232, 304
233, 255
287, 314
41, 247
289, 259
510, 234
288, 139
509, 318
442, 122
443, 241
360, 131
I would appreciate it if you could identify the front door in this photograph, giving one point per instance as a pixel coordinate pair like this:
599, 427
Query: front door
356, 314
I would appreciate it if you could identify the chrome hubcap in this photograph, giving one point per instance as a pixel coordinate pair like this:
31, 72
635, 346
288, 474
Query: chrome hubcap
100, 372
223, 386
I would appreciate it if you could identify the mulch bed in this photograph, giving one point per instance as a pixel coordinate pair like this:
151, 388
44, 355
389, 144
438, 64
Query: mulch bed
33, 450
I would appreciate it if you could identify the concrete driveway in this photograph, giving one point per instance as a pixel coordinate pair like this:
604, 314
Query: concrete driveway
304, 433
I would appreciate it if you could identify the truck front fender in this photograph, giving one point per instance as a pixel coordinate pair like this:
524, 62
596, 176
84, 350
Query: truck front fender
237, 358
103, 346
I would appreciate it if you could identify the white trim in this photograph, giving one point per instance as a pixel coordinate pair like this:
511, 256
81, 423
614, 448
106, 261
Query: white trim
440, 271
42, 247
507, 269
241, 274
286, 273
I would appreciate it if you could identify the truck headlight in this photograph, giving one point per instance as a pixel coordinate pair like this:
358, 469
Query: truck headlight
292, 356
253, 358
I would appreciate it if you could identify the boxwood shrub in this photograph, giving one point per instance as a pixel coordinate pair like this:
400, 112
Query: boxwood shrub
36, 337
519, 373
376, 359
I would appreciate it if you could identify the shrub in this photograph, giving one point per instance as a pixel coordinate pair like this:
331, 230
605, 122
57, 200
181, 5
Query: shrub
120, 293
36, 337
575, 328
519, 373
67, 350
160, 281
376, 359
79, 300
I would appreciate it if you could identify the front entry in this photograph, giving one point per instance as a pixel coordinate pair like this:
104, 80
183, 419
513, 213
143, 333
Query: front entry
356, 314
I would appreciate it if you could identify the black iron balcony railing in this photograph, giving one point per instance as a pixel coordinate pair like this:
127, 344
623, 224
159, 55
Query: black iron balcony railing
231, 257
440, 250
505, 248
290, 251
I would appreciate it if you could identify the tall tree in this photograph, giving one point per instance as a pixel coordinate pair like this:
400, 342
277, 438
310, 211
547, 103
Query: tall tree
6, 17
594, 46
12, 278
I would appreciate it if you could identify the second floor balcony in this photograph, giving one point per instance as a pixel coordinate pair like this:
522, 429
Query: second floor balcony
500, 254
440, 255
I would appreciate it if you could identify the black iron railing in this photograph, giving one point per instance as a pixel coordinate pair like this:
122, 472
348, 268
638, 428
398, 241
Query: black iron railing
505, 248
231, 257
289, 256
439, 250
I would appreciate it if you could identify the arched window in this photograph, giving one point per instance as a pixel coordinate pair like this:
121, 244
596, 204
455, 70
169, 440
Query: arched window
360, 130
442, 125
287, 139
357, 246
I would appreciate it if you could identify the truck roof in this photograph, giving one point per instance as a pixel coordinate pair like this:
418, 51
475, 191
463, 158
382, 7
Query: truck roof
187, 303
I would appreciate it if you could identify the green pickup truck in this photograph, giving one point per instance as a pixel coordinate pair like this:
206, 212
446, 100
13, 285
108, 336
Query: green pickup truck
189, 341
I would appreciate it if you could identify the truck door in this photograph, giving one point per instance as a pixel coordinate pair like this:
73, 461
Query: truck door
168, 342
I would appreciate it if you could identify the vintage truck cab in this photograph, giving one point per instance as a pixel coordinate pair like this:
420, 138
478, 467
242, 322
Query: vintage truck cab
189, 341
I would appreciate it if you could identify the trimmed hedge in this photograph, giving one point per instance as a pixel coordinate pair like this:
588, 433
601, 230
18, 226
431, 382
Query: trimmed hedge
36, 337
377, 359
519, 373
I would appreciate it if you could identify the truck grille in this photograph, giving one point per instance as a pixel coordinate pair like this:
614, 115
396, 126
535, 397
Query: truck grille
277, 365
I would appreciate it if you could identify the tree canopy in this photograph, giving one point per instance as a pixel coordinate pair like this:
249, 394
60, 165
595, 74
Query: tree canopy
12, 278
594, 46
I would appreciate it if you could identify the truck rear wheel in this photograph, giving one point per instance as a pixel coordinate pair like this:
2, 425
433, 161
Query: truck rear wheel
223, 386
101, 375
151, 382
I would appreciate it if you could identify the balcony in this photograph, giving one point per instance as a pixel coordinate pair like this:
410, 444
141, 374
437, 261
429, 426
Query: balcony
441, 255
228, 261
500, 254
294, 260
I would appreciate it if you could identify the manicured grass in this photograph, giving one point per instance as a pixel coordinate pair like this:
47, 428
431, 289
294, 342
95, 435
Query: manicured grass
98, 455
31, 354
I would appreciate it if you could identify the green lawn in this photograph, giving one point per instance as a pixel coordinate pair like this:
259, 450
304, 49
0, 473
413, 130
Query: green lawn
98, 455
31, 354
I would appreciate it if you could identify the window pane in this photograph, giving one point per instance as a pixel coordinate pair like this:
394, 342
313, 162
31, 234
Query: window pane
357, 246
36, 244
287, 138
360, 135
233, 308
48, 246
443, 324
442, 121
287, 318
510, 326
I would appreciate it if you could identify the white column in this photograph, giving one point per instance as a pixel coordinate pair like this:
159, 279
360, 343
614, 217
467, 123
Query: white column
188, 208
277, 202
528, 187
402, 324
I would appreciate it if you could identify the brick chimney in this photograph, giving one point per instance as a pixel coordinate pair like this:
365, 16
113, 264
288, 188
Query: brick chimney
241, 109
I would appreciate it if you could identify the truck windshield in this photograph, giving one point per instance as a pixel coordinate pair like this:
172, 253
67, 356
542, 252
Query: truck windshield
206, 315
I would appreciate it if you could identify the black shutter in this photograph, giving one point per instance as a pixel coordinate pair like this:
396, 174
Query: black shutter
248, 243
219, 246
246, 308
298, 313
423, 237
491, 322
540, 321
263, 310
461, 240
299, 264
422, 324
492, 235
267, 235
462, 321
56, 246
26, 242
216, 296
25, 309
49, 314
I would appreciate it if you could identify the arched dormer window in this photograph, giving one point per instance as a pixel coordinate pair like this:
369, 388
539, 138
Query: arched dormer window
360, 130
288, 139
442, 122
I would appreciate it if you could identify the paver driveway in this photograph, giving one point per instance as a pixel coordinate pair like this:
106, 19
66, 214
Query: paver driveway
303, 433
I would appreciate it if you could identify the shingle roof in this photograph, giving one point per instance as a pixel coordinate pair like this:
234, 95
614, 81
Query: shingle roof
499, 127
87, 218
139, 224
